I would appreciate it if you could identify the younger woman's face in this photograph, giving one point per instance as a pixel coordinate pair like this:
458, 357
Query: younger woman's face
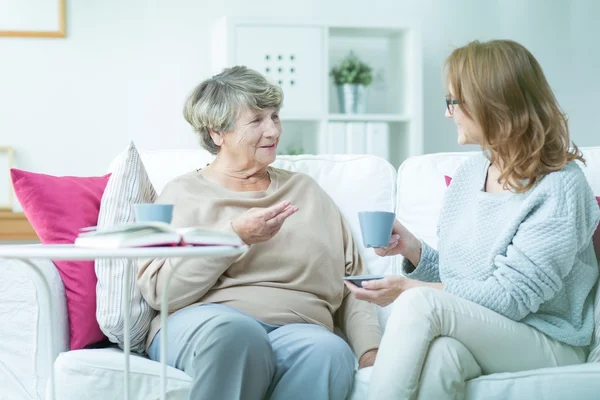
469, 131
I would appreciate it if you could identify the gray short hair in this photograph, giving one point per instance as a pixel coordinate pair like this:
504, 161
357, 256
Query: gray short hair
215, 103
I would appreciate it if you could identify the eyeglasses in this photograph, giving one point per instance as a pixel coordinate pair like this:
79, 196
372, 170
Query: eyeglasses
450, 102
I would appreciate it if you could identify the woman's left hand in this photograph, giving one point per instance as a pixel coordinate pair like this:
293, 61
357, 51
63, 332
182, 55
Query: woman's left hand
384, 291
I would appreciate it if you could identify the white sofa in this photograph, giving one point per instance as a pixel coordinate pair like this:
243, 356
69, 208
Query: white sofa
355, 183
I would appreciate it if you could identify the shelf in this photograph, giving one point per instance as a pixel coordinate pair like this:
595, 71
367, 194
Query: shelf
387, 52
14, 226
369, 117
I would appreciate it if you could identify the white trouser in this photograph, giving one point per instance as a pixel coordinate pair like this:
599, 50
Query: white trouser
434, 342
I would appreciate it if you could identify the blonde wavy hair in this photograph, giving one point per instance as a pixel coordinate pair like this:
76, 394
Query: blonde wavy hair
500, 85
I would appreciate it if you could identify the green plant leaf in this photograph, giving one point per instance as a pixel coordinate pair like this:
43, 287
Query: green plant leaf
352, 70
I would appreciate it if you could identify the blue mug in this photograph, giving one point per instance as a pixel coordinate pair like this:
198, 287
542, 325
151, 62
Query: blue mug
376, 227
151, 212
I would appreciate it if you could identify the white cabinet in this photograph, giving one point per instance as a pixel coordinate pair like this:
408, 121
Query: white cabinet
290, 56
298, 55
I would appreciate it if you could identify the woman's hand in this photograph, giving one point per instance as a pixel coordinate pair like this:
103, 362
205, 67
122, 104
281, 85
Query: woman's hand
402, 242
384, 291
258, 225
367, 359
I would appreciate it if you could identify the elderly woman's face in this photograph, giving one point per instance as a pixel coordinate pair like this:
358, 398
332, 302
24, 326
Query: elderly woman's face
255, 137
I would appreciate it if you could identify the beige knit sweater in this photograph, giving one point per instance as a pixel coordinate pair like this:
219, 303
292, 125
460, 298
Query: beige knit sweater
295, 277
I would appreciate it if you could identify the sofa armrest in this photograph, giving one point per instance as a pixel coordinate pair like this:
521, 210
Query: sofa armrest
24, 356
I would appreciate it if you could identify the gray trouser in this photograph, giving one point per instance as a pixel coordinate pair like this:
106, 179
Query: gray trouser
231, 355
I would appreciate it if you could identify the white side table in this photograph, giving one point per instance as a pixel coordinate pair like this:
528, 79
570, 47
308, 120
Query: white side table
69, 252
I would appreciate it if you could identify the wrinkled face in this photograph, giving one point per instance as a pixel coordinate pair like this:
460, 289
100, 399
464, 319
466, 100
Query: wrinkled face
469, 131
253, 142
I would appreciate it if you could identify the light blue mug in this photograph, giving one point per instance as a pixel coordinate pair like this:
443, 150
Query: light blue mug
376, 227
151, 212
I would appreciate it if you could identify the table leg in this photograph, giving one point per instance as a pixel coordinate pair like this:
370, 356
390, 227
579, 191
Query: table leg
126, 336
164, 314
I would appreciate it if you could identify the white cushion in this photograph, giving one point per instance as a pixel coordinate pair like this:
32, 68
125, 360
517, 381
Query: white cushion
592, 173
164, 165
355, 183
421, 188
128, 184
592, 168
98, 375
581, 382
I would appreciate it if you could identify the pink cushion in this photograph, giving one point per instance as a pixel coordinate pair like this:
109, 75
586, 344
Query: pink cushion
448, 180
596, 237
57, 207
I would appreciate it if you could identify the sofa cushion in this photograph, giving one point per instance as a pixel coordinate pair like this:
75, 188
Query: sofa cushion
98, 375
581, 382
421, 189
128, 184
355, 183
592, 173
164, 165
57, 207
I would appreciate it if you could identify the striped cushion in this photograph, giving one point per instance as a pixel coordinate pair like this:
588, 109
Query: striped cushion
128, 184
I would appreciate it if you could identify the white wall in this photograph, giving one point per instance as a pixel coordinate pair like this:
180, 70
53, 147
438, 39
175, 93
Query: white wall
583, 75
68, 106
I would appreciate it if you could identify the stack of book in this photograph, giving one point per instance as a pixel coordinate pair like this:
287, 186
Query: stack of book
358, 138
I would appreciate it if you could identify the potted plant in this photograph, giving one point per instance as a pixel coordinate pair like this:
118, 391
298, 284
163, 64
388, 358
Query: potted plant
352, 77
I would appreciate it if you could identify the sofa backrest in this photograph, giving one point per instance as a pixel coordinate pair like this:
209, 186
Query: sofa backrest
360, 182
421, 187
354, 182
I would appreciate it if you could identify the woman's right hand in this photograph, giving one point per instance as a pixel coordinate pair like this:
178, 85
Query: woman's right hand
258, 225
402, 242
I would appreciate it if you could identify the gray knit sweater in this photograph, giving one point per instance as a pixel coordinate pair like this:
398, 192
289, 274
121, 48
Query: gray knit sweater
527, 256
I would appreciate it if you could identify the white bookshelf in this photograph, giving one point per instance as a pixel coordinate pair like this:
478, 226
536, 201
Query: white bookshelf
298, 54
369, 117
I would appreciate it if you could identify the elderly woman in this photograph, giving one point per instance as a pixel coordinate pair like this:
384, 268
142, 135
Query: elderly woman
510, 287
259, 325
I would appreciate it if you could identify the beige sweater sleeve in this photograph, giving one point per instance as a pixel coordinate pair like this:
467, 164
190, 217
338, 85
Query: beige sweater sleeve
191, 277
356, 318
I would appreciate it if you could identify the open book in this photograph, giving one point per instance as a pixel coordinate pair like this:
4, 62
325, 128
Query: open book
147, 234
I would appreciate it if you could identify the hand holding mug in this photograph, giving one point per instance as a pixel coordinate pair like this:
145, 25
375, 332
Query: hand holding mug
403, 242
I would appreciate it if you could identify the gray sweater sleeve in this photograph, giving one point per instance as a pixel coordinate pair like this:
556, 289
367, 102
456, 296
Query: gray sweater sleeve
428, 268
